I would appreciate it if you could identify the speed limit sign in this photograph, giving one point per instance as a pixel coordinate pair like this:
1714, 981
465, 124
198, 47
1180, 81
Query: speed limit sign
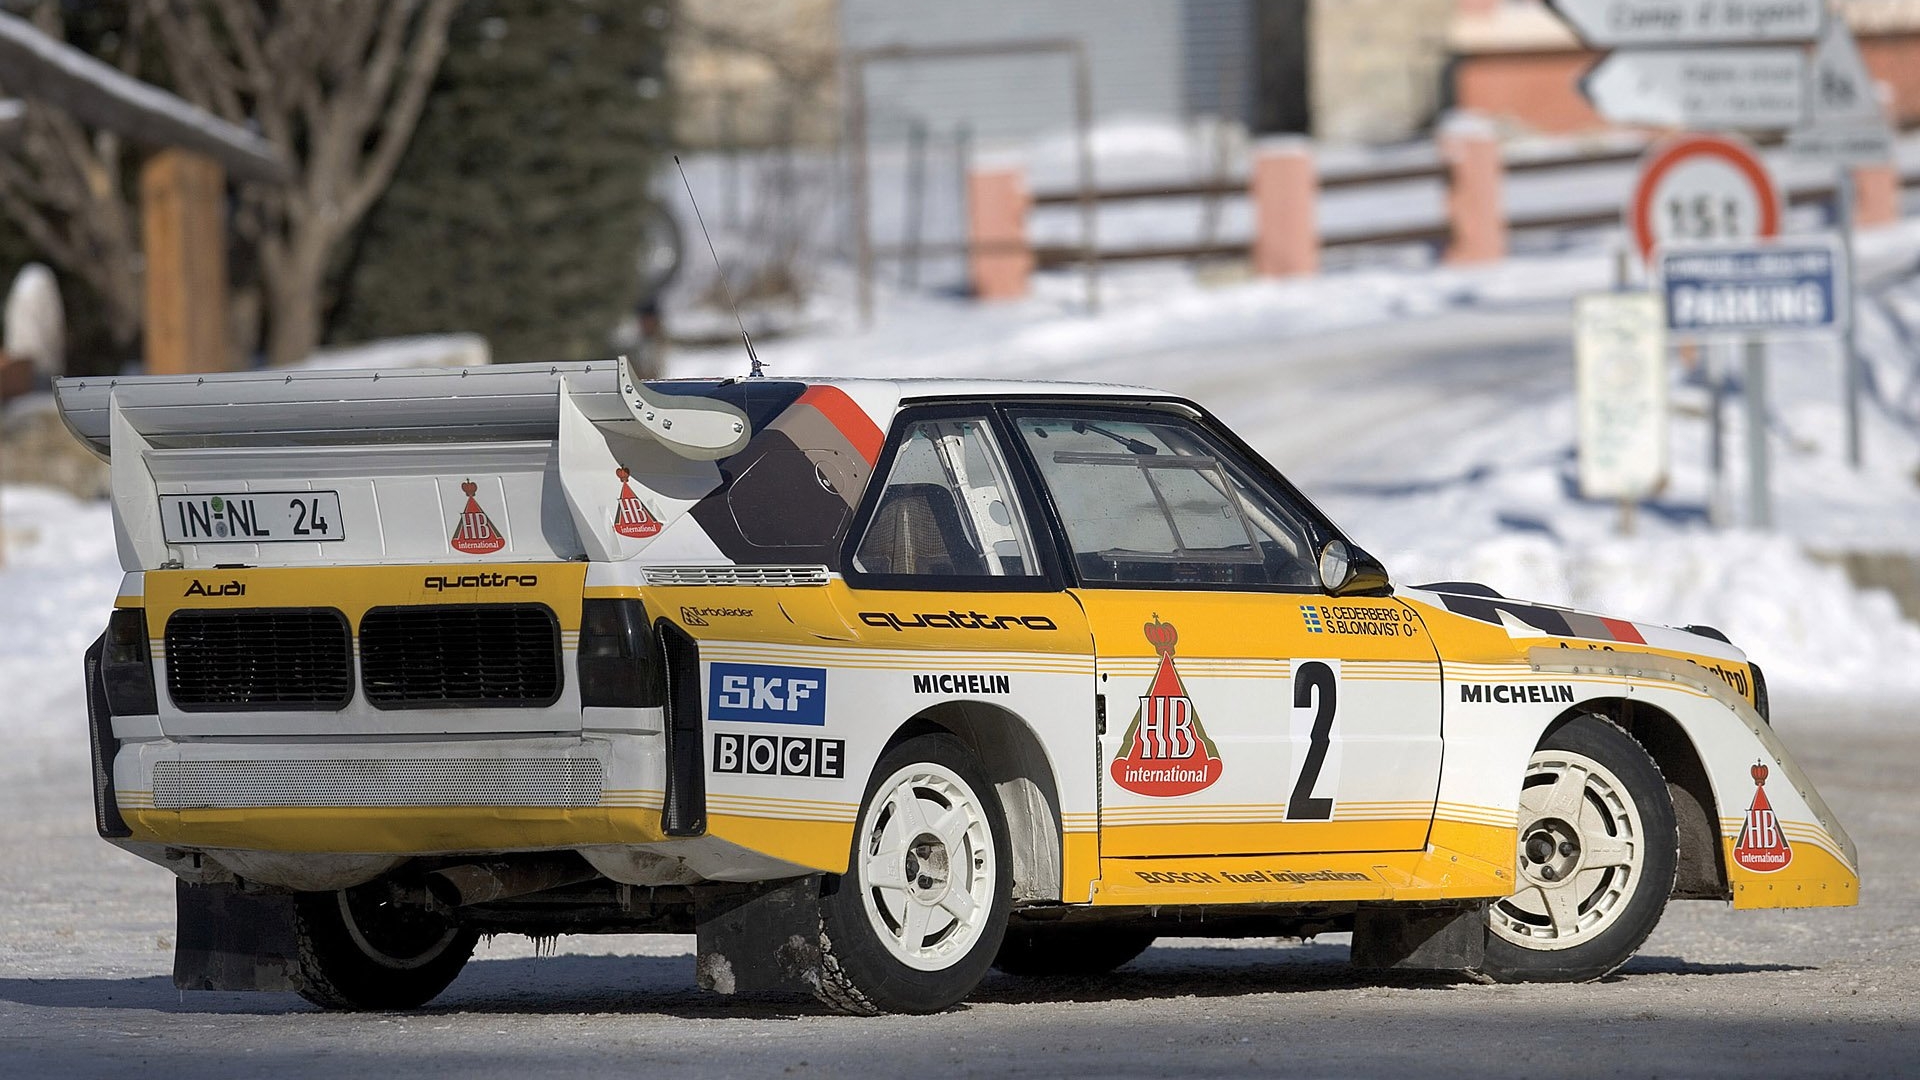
1702, 189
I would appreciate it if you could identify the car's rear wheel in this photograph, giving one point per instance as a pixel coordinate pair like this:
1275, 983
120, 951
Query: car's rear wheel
917, 919
1047, 951
1595, 862
359, 950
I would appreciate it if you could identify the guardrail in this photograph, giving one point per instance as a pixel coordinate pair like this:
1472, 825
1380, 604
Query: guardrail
1284, 186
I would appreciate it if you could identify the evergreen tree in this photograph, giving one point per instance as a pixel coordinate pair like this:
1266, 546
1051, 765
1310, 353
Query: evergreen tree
517, 209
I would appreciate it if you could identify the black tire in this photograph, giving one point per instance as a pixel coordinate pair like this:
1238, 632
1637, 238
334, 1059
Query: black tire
866, 974
1576, 918
1041, 951
360, 952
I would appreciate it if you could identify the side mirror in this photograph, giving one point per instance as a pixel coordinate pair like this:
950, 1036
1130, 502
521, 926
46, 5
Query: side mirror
1346, 570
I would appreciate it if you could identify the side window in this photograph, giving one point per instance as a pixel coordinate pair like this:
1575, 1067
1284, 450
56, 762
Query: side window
947, 509
1161, 501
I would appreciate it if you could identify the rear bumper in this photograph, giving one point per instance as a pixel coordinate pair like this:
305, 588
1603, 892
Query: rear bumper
489, 794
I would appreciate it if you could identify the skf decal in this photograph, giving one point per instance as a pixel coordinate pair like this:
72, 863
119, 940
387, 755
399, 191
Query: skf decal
780, 755
1502, 694
766, 694
1762, 847
1165, 752
231, 588
473, 530
1369, 621
630, 517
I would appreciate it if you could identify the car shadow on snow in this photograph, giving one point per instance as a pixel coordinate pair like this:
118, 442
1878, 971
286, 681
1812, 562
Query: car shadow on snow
663, 985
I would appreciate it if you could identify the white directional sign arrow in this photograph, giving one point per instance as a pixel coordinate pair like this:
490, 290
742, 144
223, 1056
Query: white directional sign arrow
1738, 88
1605, 24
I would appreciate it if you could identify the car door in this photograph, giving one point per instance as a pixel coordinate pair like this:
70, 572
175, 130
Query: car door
1246, 709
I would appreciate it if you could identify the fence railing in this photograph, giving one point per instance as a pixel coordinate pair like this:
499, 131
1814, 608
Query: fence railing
1284, 185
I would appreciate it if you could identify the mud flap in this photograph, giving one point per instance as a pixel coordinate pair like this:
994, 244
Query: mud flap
233, 940
1408, 938
762, 937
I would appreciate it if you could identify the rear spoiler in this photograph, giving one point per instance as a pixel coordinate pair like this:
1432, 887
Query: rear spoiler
397, 405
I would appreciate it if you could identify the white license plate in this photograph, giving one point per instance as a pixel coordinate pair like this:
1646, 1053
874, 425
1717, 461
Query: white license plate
252, 517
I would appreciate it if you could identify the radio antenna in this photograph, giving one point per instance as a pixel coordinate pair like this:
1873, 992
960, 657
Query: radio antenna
752, 358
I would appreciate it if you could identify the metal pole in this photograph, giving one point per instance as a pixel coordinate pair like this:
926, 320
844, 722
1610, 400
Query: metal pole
963, 169
1718, 359
1849, 354
916, 198
1759, 501
1083, 117
857, 137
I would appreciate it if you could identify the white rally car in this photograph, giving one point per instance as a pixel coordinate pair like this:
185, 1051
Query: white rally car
871, 685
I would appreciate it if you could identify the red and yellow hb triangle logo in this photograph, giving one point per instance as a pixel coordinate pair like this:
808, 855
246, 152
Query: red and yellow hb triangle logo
473, 531
630, 517
1762, 847
1165, 752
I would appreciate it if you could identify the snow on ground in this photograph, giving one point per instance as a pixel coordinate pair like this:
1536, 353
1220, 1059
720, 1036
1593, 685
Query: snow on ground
57, 586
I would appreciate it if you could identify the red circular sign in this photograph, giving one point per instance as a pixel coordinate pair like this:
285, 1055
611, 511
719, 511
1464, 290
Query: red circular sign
1702, 188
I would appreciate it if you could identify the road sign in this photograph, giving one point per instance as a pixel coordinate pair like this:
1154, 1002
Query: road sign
1845, 123
1744, 88
1606, 24
1702, 188
1793, 285
1620, 376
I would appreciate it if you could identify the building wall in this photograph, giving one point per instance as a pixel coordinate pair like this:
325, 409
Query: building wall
1135, 48
1377, 67
764, 73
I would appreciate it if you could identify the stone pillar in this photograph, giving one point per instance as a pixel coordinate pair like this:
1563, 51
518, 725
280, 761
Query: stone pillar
1000, 259
183, 208
1286, 227
1876, 195
1472, 153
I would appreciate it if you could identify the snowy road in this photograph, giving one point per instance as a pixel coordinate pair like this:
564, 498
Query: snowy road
85, 991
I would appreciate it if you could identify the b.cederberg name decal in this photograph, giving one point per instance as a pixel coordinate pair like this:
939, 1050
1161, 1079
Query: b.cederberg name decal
1503, 694
947, 683
780, 755
768, 694
955, 620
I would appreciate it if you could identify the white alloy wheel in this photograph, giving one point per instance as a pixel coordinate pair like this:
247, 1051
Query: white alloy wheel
1581, 855
927, 868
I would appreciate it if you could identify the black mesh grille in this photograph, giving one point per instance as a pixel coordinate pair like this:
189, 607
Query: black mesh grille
265, 658
479, 655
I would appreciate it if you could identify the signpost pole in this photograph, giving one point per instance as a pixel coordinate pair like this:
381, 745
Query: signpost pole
1719, 364
1849, 355
1759, 500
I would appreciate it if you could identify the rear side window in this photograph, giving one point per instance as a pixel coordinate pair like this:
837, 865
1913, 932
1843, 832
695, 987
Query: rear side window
947, 509
1160, 501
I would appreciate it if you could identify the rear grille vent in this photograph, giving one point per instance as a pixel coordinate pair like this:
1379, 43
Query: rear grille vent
259, 659
465, 656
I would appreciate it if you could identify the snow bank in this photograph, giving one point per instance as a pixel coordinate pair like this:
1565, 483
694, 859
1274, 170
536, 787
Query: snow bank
56, 589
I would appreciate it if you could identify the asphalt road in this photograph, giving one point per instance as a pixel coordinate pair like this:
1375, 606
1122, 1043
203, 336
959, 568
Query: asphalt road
86, 934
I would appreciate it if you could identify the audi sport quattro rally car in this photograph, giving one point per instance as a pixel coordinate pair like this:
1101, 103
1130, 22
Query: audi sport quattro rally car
870, 685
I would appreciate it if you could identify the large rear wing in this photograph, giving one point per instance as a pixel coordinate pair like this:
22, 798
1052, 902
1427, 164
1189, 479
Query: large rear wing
402, 456
430, 405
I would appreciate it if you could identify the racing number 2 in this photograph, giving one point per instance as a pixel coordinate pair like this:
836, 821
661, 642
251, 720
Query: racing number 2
1314, 684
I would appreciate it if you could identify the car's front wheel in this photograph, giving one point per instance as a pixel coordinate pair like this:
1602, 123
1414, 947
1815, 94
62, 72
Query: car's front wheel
917, 919
1595, 862
359, 950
